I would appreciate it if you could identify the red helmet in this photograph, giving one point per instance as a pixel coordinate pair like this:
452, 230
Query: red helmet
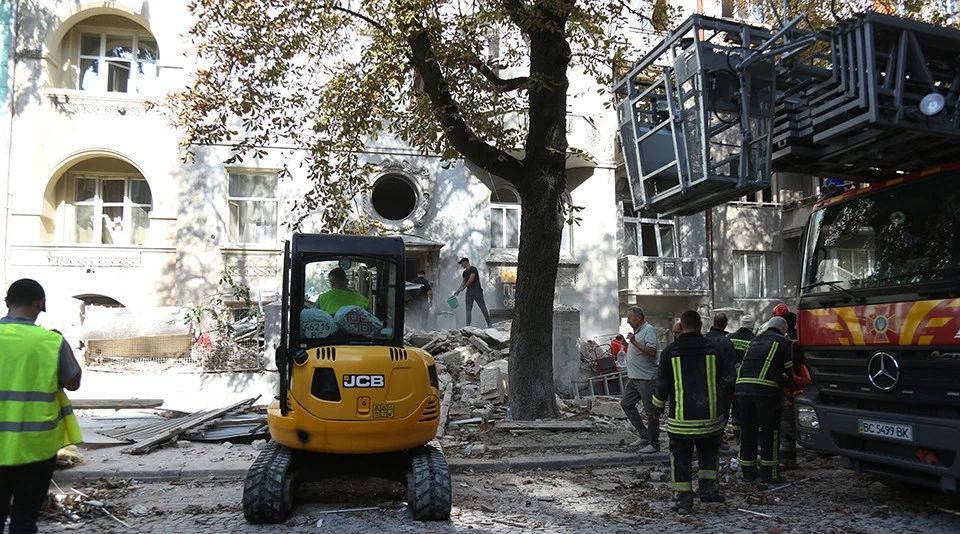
780, 310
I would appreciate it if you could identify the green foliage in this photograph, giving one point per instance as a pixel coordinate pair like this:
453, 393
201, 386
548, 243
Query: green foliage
213, 310
822, 14
450, 77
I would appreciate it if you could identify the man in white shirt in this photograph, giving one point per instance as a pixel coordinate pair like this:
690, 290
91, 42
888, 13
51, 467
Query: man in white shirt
642, 377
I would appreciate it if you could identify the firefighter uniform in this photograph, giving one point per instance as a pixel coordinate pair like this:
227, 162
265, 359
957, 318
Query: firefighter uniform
741, 340
765, 370
691, 375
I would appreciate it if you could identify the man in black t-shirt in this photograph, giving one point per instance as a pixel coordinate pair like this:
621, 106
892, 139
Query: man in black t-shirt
471, 282
422, 301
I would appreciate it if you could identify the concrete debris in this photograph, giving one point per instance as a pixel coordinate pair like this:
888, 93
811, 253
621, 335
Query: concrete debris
458, 356
139, 510
479, 344
259, 444
607, 408
184, 444
656, 476
492, 384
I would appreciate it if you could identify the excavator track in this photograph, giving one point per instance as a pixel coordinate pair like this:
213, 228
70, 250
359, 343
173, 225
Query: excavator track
269, 486
428, 485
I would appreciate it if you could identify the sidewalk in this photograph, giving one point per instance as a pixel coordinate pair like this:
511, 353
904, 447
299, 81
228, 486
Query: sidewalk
210, 461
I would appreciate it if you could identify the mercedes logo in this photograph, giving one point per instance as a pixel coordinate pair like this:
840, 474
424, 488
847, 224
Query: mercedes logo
883, 370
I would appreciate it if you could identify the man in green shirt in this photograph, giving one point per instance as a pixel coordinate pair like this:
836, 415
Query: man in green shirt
332, 300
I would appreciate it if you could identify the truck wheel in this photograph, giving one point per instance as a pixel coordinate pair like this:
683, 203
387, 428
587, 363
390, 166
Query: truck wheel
428, 485
269, 486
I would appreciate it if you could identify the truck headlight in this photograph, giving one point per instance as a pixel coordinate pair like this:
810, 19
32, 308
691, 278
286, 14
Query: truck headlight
807, 417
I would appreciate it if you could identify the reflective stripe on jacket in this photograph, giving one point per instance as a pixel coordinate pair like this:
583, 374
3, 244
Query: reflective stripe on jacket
36, 419
741, 341
766, 366
690, 376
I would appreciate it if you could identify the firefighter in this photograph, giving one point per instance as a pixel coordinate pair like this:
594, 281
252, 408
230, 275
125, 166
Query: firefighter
765, 371
691, 375
741, 339
718, 336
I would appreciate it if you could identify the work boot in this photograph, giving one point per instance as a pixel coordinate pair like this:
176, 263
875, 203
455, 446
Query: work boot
684, 503
650, 449
710, 491
767, 475
748, 473
640, 442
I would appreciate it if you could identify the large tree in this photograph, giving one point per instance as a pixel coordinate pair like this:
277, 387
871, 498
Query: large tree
481, 80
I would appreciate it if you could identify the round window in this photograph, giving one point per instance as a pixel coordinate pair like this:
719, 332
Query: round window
393, 197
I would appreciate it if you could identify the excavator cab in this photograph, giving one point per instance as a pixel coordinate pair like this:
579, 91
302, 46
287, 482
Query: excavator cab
353, 400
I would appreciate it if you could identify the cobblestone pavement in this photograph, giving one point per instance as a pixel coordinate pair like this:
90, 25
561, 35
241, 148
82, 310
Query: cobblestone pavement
820, 498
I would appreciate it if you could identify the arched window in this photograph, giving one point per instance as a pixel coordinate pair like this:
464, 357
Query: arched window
117, 62
504, 218
111, 210
109, 53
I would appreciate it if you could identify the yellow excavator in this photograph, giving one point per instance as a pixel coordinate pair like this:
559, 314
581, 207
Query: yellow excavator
352, 399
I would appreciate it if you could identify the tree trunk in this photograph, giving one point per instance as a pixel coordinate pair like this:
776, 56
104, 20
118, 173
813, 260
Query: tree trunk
532, 389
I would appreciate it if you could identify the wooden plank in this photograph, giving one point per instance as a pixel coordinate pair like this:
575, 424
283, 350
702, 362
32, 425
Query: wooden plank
147, 445
114, 404
544, 425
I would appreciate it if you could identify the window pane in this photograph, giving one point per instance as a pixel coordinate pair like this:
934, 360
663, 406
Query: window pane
146, 76
739, 277
120, 46
772, 276
565, 237
86, 189
112, 228
648, 240
753, 275
630, 238
113, 190
268, 224
252, 185
140, 224
496, 227
140, 192
513, 228
90, 44
89, 74
147, 49
257, 221
118, 76
83, 224
666, 240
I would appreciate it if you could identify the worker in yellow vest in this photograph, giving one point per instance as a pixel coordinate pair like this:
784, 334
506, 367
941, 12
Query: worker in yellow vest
36, 419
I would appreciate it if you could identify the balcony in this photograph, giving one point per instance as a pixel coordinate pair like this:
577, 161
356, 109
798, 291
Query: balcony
647, 275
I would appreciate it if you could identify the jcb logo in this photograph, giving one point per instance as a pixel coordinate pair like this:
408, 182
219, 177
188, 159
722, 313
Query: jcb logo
363, 381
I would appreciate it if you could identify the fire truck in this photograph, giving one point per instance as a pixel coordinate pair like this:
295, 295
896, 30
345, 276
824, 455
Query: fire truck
879, 329
707, 116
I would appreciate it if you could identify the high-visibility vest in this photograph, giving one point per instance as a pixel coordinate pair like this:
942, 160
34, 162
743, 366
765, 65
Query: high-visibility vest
36, 419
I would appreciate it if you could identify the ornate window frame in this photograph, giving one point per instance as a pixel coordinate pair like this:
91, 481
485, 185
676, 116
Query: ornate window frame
415, 178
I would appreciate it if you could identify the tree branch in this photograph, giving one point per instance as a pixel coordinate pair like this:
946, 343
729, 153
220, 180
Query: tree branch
504, 86
360, 16
455, 129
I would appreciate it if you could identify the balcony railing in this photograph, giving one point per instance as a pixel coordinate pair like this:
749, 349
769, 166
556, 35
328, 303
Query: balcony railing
647, 275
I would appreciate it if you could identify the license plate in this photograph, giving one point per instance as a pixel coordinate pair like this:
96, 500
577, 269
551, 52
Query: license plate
383, 411
886, 430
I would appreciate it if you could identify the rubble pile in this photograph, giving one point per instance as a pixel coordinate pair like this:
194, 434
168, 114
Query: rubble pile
472, 368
